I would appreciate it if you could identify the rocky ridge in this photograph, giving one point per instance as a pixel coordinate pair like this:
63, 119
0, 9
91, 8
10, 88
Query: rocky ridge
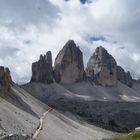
101, 68
124, 77
68, 66
42, 70
5, 79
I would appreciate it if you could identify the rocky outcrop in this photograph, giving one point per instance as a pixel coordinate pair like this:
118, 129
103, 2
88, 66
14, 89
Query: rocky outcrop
5, 79
102, 67
129, 79
69, 66
124, 77
42, 70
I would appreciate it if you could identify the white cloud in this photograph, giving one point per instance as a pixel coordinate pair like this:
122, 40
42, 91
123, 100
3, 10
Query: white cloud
30, 28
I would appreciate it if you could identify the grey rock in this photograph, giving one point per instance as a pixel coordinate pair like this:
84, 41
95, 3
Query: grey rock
15, 137
101, 68
129, 79
2, 76
69, 66
5, 78
124, 77
121, 75
42, 70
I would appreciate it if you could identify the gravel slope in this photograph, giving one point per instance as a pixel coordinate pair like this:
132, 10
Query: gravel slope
20, 113
59, 127
113, 108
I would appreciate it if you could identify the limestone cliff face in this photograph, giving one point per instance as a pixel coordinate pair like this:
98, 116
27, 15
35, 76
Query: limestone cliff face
124, 77
69, 66
42, 70
102, 67
5, 79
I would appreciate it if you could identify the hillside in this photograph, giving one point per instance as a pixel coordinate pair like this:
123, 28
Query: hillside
19, 112
19, 118
113, 108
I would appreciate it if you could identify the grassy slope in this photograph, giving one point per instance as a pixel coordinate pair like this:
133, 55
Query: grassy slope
135, 135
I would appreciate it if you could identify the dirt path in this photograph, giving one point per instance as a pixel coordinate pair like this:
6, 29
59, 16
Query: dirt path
41, 120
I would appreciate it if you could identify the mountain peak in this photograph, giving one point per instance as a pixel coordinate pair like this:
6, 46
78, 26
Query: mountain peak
42, 70
69, 65
101, 67
70, 42
69, 68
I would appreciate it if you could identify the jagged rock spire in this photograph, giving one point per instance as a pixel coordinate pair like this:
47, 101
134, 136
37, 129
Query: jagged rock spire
5, 79
101, 67
124, 77
69, 66
42, 70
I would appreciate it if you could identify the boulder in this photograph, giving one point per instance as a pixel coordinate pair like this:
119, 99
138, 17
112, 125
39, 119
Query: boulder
42, 70
102, 67
124, 77
69, 65
5, 78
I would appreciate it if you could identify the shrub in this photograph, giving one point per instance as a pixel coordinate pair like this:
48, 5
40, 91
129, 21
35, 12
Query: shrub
135, 135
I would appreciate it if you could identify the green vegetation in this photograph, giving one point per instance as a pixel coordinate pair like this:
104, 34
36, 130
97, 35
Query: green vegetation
135, 135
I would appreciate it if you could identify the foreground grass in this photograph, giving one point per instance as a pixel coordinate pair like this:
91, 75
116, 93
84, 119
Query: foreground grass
135, 135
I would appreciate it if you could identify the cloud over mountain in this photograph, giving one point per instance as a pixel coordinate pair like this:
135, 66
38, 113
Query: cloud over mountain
29, 28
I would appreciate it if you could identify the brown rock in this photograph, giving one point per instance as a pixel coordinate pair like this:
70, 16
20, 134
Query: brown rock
69, 66
101, 68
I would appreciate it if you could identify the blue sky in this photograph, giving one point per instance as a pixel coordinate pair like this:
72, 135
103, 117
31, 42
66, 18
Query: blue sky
32, 27
83, 1
97, 38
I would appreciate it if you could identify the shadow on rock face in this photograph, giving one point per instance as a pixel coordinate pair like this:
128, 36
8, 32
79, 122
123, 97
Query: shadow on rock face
14, 99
